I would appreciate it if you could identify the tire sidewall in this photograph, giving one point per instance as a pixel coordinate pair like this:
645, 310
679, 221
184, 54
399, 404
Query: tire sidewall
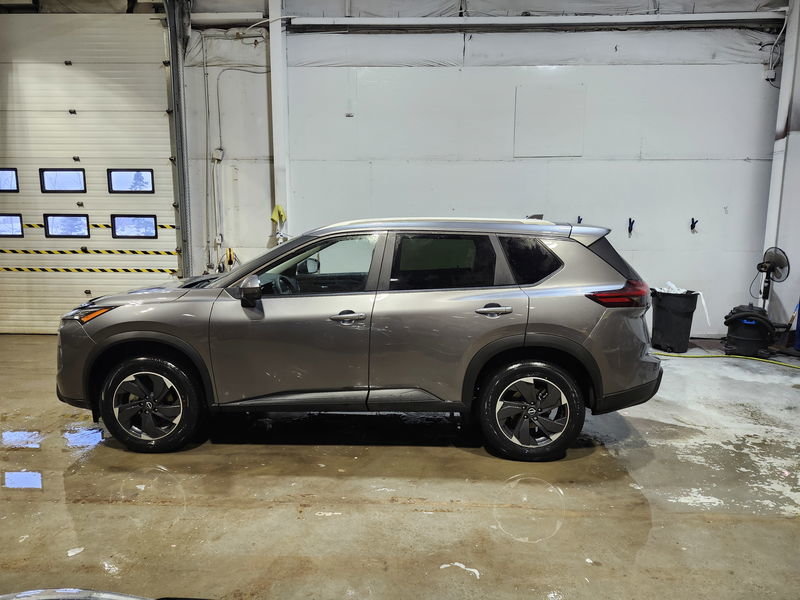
186, 387
497, 383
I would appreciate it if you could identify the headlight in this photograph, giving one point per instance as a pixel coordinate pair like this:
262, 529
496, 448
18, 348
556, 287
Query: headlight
84, 315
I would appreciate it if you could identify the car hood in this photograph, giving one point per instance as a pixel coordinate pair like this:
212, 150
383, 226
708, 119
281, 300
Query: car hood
163, 292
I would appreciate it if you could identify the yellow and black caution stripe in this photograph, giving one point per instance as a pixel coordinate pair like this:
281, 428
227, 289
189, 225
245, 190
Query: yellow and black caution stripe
95, 226
89, 251
84, 270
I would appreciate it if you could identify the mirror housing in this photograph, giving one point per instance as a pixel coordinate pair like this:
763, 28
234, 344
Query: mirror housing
250, 291
309, 266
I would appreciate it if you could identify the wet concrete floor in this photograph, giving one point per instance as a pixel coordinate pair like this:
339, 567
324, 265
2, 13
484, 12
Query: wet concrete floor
695, 494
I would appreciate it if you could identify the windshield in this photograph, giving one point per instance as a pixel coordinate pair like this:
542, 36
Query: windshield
250, 265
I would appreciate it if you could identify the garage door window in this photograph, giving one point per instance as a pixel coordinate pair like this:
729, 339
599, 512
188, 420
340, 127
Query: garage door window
134, 226
10, 225
130, 181
8, 180
66, 226
429, 262
63, 181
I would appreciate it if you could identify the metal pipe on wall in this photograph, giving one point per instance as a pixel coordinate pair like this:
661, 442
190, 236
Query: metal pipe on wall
177, 15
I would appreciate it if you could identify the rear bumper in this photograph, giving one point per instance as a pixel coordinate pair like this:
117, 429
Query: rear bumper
638, 395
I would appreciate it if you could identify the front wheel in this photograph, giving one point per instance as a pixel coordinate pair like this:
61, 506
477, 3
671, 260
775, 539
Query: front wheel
151, 405
531, 410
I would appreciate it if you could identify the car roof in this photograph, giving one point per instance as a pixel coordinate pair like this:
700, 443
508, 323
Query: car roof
478, 225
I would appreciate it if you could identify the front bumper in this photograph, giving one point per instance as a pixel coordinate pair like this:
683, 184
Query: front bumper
637, 395
74, 348
76, 402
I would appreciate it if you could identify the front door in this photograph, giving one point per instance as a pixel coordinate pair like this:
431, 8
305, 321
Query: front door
306, 342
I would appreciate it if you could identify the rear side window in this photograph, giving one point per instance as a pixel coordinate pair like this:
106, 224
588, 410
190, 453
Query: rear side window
434, 261
605, 250
529, 260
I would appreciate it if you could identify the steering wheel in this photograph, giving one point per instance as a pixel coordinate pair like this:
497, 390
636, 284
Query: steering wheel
285, 286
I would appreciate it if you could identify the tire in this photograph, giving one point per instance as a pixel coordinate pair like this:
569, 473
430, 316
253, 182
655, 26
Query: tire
531, 411
152, 405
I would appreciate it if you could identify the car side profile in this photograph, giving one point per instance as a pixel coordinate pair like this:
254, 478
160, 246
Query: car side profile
519, 325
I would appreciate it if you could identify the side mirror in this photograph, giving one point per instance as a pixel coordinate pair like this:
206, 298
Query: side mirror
308, 267
250, 291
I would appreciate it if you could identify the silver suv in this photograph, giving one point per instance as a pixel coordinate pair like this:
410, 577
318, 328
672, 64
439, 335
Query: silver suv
517, 325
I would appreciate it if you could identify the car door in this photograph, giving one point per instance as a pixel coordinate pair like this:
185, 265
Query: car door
306, 342
442, 298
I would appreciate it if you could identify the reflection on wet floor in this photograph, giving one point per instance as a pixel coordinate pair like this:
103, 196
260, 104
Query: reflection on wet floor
22, 480
529, 509
83, 437
21, 439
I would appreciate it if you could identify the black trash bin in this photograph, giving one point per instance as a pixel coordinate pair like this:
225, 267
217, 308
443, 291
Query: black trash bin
672, 319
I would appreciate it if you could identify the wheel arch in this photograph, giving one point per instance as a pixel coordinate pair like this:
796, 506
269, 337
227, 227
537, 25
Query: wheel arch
133, 344
559, 350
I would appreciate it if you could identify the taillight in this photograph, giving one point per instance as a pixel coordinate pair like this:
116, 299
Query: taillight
635, 293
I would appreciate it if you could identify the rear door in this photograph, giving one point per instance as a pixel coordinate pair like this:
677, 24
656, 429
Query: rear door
442, 297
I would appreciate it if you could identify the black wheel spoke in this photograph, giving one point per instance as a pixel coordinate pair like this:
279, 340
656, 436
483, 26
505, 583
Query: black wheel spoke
526, 390
149, 426
134, 388
510, 409
523, 431
167, 412
549, 426
159, 388
127, 412
548, 396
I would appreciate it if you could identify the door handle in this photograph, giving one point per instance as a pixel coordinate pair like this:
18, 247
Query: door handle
346, 317
494, 310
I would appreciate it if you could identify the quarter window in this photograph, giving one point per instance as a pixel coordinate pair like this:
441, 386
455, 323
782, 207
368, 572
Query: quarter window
529, 260
333, 266
434, 261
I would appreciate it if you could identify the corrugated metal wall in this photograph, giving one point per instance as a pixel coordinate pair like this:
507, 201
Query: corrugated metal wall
116, 85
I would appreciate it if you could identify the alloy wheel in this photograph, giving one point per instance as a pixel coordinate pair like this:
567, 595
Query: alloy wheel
532, 412
147, 405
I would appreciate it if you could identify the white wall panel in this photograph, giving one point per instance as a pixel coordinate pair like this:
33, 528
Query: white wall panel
549, 120
240, 185
667, 111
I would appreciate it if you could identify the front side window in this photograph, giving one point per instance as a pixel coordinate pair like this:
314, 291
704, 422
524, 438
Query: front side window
425, 261
529, 260
334, 266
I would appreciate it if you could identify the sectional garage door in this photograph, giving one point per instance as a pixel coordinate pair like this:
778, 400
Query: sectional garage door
85, 175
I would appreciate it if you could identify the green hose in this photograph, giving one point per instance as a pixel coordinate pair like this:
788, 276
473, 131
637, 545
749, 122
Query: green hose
766, 360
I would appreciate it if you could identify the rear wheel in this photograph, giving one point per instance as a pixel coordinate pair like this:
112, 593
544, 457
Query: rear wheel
532, 411
151, 405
